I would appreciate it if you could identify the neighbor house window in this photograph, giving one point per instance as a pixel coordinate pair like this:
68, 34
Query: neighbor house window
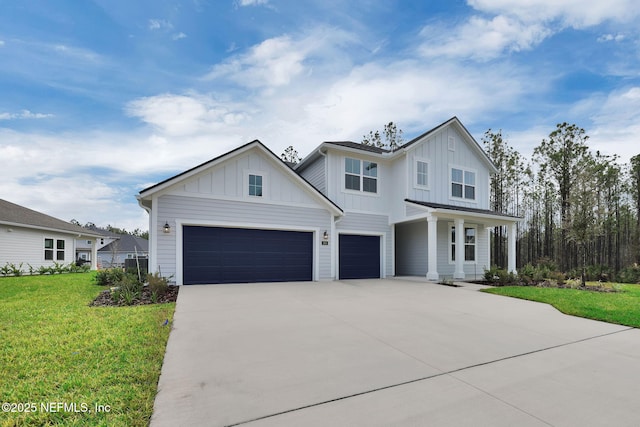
463, 184
360, 175
469, 244
48, 249
255, 185
422, 173
60, 250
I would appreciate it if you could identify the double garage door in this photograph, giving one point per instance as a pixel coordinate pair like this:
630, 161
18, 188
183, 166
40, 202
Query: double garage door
239, 255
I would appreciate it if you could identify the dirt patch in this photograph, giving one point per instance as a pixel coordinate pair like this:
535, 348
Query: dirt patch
104, 299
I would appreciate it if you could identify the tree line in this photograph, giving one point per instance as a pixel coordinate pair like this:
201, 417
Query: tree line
580, 208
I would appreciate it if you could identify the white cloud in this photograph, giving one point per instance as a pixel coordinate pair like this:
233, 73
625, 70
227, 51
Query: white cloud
244, 3
277, 61
160, 24
481, 38
24, 114
1, 43
611, 37
573, 13
179, 36
517, 26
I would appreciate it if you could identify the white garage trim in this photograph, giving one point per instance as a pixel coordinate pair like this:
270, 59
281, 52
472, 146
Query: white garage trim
383, 245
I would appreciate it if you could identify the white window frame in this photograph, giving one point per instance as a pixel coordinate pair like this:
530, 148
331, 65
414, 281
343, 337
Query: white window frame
452, 229
265, 180
464, 184
361, 177
416, 184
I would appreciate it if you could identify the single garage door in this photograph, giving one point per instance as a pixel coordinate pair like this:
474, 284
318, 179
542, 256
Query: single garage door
359, 256
239, 255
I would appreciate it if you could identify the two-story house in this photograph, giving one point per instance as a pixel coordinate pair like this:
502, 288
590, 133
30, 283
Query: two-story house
345, 211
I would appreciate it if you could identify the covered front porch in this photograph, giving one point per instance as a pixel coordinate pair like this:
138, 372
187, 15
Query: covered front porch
437, 241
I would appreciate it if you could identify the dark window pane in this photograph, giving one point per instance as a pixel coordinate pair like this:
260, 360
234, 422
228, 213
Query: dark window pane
470, 235
48, 243
370, 185
470, 192
352, 182
48, 254
453, 252
469, 178
456, 190
60, 256
469, 252
60, 244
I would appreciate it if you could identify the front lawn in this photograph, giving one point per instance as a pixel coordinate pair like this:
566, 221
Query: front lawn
59, 358
614, 307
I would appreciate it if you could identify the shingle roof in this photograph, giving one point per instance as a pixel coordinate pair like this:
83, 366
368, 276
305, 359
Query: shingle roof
10, 213
358, 146
459, 208
127, 243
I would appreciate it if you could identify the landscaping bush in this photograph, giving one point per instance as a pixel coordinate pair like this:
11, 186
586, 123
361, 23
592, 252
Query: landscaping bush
158, 286
109, 277
499, 275
629, 274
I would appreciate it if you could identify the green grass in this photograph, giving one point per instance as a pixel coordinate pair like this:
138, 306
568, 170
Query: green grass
622, 308
55, 348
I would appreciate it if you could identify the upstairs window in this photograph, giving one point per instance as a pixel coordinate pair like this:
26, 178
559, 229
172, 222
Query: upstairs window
255, 185
422, 174
360, 175
463, 184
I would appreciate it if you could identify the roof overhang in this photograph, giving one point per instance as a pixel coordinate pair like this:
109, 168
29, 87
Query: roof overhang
78, 234
489, 218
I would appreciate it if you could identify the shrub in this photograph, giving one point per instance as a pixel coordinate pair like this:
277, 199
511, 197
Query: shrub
547, 264
127, 289
109, 277
158, 285
499, 275
629, 274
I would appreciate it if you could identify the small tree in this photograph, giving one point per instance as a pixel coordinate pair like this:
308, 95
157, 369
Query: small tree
290, 155
392, 137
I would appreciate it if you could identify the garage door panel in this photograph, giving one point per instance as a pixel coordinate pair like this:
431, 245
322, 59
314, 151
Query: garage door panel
237, 255
359, 256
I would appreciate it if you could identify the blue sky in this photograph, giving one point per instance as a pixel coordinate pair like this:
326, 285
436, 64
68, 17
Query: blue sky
103, 98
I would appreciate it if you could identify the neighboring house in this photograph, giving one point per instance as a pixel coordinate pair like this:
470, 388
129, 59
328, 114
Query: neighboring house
84, 247
345, 211
36, 239
125, 246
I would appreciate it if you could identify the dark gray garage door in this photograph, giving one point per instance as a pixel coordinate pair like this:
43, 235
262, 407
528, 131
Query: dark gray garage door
359, 256
239, 255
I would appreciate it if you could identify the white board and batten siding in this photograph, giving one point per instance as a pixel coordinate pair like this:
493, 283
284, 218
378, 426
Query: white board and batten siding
372, 225
26, 246
218, 196
436, 151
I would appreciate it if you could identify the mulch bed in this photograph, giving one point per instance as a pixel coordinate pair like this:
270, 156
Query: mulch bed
551, 284
104, 298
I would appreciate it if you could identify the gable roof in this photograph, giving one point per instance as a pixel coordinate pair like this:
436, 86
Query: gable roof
253, 144
385, 153
127, 243
12, 214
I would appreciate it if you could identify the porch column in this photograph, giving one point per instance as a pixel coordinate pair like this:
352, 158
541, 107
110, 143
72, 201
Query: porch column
511, 241
432, 239
459, 271
487, 264
94, 254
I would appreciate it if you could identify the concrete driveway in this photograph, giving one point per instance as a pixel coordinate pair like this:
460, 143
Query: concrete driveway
390, 352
